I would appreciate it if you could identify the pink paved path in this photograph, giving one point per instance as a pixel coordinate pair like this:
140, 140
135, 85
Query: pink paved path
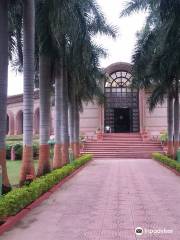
106, 201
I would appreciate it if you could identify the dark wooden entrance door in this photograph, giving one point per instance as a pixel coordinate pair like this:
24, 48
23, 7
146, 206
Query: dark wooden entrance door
122, 123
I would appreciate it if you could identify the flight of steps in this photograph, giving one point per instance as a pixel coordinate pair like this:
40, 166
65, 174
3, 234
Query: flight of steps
122, 145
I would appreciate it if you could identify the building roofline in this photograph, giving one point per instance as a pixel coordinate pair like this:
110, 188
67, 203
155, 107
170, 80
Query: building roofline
19, 97
119, 66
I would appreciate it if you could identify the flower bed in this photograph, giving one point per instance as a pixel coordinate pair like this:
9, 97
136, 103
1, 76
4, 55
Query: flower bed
167, 161
17, 199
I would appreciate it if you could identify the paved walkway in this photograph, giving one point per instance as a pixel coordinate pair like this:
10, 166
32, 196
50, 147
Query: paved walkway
107, 201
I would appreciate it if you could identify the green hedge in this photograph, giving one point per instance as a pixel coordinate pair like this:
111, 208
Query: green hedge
19, 198
167, 161
15, 138
18, 148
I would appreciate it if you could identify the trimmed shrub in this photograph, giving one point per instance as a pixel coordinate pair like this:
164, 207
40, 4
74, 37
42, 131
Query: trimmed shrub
164, 137
18, 138
8, 151
19, 198
18, 148
35, 150
14, 138
167, 161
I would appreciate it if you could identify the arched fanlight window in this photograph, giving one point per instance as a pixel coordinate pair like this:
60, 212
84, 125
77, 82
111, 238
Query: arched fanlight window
119, 79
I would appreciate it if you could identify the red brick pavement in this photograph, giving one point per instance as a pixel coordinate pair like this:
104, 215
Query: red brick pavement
107, 201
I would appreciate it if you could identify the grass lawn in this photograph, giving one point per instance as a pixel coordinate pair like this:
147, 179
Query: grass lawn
13, 168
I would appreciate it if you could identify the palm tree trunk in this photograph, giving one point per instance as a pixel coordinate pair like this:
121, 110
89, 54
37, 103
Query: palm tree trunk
57, 161
27, 168
71, 123
45, 94
71, 115
3, 89
170, 123
76, 130
64, 121
176, 119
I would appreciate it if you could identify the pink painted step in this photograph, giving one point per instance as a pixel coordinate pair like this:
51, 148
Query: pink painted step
122, 145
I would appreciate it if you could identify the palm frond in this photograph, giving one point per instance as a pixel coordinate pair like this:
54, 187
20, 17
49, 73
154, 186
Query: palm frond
133, 6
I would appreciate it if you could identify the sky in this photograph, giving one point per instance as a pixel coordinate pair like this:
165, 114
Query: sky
119, 50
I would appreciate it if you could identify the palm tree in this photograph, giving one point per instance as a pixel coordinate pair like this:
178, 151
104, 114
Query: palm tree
64, 115
84, 86
170, 108
176, 117
88, 86
150, 72
57, 161
71, 113
160, 70
68, 39
16, 33
45, 107
83, 63
27, 168
76, 147
61, 32
45, 57
3, 90
61, 127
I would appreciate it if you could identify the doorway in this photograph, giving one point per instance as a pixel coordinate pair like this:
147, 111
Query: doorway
122, 121
121, 103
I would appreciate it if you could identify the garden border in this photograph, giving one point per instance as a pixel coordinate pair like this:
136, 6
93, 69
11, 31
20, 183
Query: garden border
12, 220
166, 165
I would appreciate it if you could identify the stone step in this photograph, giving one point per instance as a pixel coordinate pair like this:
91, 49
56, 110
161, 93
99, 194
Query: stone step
145, 156
122, 146
123, 150
120, 140
123, 137
98, 144
120, 151
121, 134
